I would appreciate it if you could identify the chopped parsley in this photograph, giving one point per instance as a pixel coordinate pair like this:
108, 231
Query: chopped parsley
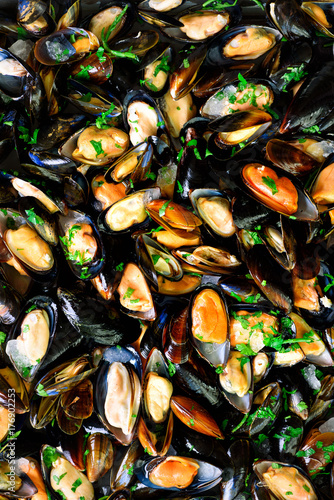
76, 484
97, 145
33, 218
50, 455
171, 369
162, 210
268, 181
294, 74
102, 120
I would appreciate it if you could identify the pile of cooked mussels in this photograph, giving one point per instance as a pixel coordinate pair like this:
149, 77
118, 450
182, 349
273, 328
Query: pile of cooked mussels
166, 249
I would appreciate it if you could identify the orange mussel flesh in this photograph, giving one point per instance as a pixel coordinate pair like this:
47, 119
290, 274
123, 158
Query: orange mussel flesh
174, 472
276, 192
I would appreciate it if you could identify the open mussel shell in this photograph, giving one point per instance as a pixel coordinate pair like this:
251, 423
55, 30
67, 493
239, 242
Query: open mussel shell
93, 100
39, 219
156, 425
185, 76
279, 478
291, 199
55, 469
82, 147
320, 189
24, 245
34, 17
154, 259
281, 242
237, 96
118, 409
13, 75
64, 377
142, 117
236, 381
48, 193
232, 133
109, 11
31, 337
251, 323
81, 244
11, 383
159, 5
233, 47
134, 163
321, 16
59, 48
190, 475
15, 483
207, 259
209, 324
155, 67
199, 25
214, 209
315, 349
127, 214
134, 294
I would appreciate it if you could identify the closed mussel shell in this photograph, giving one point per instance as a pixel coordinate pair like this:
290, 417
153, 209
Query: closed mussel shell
78, 402
93, 100
195, 416
100, 457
